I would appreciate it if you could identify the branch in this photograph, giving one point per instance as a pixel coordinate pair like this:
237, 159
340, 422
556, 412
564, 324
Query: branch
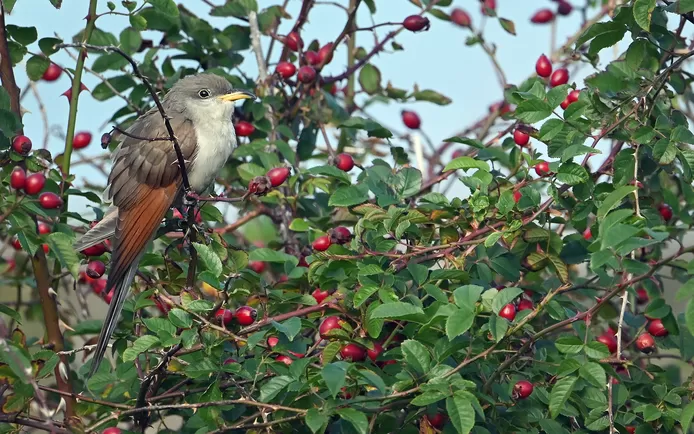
6, 72
257, 48
153, 94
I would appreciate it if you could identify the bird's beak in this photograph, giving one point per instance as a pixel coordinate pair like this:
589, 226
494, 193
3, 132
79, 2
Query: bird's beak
237, 95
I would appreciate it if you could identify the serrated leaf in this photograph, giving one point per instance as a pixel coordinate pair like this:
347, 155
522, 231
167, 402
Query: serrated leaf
533, 110
461, 413
508, 25
395, 310
687, 416
335, 375
363, 294
431, 96
560, 394
268, 255
594, 374
315, 420
614, 199
180, 318
330, 351
370, 79
416, 356
643, 11
349, 195
504, 297
273, 387
458, 323
356, 418
466, 163
60, 245
36, 66
209, 259
142, 344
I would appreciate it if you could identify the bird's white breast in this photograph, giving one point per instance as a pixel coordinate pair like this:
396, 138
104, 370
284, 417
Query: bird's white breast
216, 141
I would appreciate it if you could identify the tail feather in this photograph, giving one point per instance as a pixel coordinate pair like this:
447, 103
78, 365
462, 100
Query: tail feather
122, 289
103, 230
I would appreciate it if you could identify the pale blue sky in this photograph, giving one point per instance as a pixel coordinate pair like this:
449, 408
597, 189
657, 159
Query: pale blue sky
437, 59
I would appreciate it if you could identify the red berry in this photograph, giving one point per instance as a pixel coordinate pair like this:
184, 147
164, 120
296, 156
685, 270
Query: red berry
330, 323
257, 266
108, 297
665, 212
44, 228
542, 168
16, 244
500, 106
306, 74
460, 17
641, 296
630, 429
50, 200
320, 295
438, 420
321, 244
95, 250
82, 140
559, 77
573, 95
272, 341
415, 23
244, 129
325, 54
609, 341
286, 69
278, 175
566, 103
98, 286
375, 352
543, 66
112, 430
340, 235
229, 361
520, 137
657, 329
21, 144
293, 41
312, 58
457, 153
488, 6
177, 215
245, 315
353, 352
517, 196
525, 305
284, 359
542, 16
645, 343
34, 183
18, 178
96, 269
587, 234
224, 315
564, 8
344, 162
523, 389
52, 73
411, 119
508, 312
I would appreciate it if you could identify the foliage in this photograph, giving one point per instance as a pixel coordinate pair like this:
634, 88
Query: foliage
426, 281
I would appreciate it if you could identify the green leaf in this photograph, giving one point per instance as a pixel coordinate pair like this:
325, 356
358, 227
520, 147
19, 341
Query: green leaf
428, 398
130, 40
643, 11
356, 418
508, 26
594, 374
687, 416
461, 413
466, 297
466, 163
373, 128
142, 344
569, 345
289, 328
416, 356
209, 259
36, 66
273, 387
373, 325
165, 7
60, 245
614, 199
349, 195
23, 35
315, 420
363, 294
180, 318
681, 7
408, 181
560, 394
160, 325
331, 171
431, 96
685, 291
533, 110
459, 322
504, 297
268, 255
105, 90
11, 313
370, 79
396, 309
334, 376
689, 315
47, 45
572, 174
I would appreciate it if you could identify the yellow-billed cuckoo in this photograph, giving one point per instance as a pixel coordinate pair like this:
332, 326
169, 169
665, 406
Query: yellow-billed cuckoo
146, 180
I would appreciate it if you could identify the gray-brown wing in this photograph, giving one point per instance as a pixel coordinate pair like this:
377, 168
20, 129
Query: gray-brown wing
152, 163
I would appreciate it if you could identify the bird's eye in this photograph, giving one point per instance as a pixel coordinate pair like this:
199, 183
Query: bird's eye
204, 93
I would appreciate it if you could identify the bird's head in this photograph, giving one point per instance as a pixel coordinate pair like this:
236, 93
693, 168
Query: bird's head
204, 93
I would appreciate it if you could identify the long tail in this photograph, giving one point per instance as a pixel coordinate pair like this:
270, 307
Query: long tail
103, 230
121, 291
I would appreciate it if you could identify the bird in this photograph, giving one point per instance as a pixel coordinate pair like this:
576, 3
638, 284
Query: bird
146, 181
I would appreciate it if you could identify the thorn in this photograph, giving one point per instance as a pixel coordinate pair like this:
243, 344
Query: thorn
62, 370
